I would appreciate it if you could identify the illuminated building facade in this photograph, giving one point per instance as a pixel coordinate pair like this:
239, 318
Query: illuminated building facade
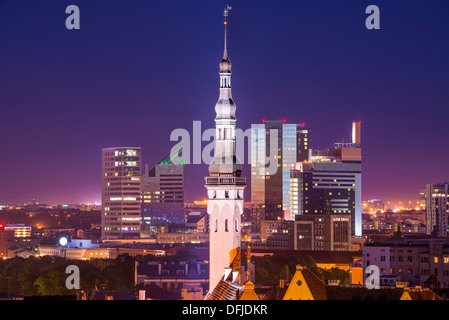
270, 187
163, 190
322, 232
121, 192
20, 230
330, 183
418, 262
327, 188
277, 234
437, 208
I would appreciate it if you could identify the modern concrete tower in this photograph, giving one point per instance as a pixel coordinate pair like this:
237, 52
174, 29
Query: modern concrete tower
120, 196
163, 190
224, 185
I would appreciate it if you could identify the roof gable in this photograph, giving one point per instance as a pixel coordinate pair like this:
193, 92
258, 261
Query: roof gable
305, 286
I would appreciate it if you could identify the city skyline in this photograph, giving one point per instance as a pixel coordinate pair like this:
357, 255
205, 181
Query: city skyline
63, 90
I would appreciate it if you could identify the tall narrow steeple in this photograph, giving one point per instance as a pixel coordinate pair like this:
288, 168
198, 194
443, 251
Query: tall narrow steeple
225, 160
224, 184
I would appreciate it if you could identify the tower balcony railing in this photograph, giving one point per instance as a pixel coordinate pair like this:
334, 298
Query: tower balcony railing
241, 181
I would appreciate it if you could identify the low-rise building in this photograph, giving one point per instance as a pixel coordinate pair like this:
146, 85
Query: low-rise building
418, 262
182, 237
185, 280
83, 249
20, 230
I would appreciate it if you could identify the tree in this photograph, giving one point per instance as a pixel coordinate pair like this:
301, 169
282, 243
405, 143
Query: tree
270, 269
52, 283
262, 275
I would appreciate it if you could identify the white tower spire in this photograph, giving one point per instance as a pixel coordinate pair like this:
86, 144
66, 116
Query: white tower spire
224, 185
225, 160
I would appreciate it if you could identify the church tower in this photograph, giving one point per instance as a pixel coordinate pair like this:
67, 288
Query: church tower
224, 184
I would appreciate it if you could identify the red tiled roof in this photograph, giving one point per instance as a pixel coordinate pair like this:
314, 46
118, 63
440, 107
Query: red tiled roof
423, 294
316, 286
225, 290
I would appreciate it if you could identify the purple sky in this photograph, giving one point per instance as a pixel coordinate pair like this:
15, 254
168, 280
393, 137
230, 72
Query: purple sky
137, 70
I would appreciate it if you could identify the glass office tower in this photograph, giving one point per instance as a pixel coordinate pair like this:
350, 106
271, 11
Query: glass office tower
275, 147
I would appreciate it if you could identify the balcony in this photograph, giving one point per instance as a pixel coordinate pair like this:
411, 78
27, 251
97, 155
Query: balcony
219, 181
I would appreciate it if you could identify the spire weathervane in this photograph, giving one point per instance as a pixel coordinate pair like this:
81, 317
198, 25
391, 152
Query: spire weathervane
226, 14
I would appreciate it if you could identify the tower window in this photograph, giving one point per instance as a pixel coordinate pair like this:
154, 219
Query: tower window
226, 225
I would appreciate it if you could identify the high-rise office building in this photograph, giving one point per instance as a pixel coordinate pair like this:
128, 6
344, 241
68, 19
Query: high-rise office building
224, 184
275, 147
163, 190
120, 197
437, 209
330, 183
327, 188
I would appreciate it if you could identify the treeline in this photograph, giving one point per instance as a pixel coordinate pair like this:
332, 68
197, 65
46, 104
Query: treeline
47, 275
39, 276
272, 269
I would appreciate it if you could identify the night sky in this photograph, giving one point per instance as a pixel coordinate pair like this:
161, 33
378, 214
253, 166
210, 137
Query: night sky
137, 70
